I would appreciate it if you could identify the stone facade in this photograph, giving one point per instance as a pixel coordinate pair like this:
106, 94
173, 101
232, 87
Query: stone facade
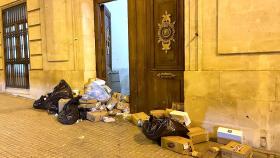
232, 67
63, 27
232, 72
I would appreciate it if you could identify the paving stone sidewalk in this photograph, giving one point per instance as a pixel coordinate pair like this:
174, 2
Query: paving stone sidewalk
26, 132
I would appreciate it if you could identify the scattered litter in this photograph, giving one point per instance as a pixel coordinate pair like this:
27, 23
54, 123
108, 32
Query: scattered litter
112, 103
96, 116
78, 121
108, 119
212, 152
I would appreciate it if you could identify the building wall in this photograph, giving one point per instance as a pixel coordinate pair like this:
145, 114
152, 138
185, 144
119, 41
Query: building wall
61, 36
232, 72
232, 68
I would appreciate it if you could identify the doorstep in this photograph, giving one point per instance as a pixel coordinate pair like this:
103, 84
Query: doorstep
18, 92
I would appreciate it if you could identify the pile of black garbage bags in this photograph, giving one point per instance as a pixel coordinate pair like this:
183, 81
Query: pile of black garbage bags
155, 128
70, 112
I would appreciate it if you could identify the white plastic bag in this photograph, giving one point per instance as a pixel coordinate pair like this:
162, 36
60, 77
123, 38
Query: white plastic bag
96, 92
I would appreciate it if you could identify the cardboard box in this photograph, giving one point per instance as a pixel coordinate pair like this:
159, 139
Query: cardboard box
61, 104
198, 135
226, 135
122, 106
236, 150
212, 152
96, 115
125, 98
158, 113
178, 106
112, 103
92, 101
178, 144
118, 96
139, 118
167, 112
181, 117
90, 106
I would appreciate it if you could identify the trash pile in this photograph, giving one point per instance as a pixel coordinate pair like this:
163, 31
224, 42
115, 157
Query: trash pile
171, 128
96, 104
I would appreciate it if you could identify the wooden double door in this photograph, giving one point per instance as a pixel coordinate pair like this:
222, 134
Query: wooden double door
156, 53
156, 39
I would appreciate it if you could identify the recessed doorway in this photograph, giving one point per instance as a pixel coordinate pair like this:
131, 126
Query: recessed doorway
113, 45
156, 56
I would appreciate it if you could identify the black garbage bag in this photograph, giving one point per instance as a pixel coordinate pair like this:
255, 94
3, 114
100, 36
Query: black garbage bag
83, 112
50, 101
155, 128
70, 112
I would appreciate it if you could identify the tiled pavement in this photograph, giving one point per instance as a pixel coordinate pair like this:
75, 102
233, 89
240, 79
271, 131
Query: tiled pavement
25, 132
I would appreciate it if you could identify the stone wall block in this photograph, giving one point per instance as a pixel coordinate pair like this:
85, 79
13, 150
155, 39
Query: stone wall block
202, 84
248, 85
36, 62
34, 33
34, 17
33, 5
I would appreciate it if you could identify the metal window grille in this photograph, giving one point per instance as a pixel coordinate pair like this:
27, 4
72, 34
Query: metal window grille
16, 46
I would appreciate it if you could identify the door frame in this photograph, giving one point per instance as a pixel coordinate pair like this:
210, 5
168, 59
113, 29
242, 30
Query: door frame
132, 36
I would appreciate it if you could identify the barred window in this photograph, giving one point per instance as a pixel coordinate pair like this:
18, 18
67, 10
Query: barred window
16, 47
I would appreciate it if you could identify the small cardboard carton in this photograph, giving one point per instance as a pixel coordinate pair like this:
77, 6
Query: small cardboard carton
96, 115
139, 118
198, 135
158, 113
236, 150
178, 106
178, 144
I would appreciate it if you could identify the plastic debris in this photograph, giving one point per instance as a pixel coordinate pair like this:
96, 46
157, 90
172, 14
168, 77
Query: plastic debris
108, 119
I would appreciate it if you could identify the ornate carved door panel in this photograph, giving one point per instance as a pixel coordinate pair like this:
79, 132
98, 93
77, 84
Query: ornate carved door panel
160, 53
